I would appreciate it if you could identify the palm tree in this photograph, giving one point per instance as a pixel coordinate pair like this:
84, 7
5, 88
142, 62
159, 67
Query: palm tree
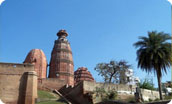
154, 54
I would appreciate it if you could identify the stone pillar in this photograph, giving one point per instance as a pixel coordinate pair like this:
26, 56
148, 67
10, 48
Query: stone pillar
31, 87
138, 95
61, 63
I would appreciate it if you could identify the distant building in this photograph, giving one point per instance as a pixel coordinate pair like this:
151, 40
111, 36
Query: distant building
167, 87
131, 79
167, 84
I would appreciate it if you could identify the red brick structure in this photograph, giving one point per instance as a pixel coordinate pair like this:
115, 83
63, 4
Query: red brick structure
18, 83
61, 63
82, 74
38, 58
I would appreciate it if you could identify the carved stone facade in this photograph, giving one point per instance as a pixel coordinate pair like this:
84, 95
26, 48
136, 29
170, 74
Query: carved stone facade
61, 63
82, 74
38, 59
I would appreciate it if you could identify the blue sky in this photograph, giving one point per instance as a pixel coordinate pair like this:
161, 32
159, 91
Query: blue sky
99, 30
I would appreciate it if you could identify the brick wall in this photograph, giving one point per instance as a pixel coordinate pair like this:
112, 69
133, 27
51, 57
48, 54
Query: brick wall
18, 83
51, 84
149, 94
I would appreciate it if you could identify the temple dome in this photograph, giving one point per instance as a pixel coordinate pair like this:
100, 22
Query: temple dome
38, 58
82, 74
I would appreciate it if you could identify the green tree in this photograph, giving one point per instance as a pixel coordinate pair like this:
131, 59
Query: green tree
113, 72
154, 53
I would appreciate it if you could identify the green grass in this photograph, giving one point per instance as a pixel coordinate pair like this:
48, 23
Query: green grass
51, 102
48, 95
45, 94
168, 97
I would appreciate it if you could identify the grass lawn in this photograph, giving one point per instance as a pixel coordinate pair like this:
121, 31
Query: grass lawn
48, 95
45, 94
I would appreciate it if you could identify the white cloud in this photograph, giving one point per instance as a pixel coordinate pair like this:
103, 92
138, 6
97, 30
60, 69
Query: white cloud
170, 1
1, 1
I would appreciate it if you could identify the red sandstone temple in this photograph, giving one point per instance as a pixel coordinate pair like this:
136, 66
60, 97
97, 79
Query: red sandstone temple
37, 57
82, 74
61, 67
61, 78
61, 63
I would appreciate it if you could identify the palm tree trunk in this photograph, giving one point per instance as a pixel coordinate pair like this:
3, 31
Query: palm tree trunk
159, 86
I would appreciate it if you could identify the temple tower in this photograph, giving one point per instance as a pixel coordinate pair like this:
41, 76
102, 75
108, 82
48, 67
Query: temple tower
61, 63
38, 59
82, 74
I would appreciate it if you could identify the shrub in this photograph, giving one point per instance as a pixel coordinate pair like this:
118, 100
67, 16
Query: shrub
111, 95
147, 84
106, 95
157, 99
168, 97
150, 100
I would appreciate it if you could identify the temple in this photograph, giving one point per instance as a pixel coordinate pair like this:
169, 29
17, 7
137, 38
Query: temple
61, 63
38, 59
19, 82
82, 74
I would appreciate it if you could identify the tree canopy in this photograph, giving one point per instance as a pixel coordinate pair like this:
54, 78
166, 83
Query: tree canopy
114, 71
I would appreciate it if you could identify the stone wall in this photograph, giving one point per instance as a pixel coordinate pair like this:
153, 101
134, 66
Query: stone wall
91, 86
122, 90
84, 92
51, 83
149, 94
18, 83
75, 94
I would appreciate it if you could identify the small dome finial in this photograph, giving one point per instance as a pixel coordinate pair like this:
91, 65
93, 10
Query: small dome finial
62, 33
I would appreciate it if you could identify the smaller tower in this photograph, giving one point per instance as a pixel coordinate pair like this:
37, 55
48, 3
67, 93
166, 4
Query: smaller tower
37, 57
82, 74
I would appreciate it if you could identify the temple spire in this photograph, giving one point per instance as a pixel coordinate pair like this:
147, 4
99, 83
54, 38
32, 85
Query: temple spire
61, 63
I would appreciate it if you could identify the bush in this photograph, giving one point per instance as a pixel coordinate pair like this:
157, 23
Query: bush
168, 97
150, 100
157, 99
147, 84
111, 95
106, 95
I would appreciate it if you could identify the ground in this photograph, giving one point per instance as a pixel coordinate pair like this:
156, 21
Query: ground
46, 97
